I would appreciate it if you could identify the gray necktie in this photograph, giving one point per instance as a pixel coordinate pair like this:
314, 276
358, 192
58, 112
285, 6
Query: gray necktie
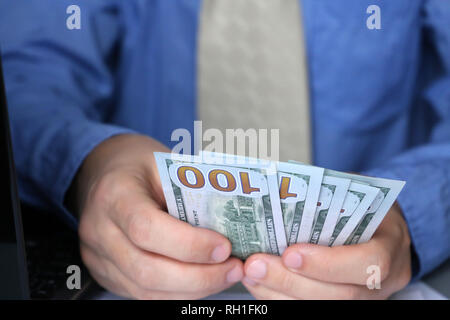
252, 70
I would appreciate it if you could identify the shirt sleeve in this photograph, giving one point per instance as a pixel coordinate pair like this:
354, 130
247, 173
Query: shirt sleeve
60, 87
425, 200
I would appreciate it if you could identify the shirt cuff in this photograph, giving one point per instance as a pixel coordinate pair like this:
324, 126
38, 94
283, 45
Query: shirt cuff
91, 135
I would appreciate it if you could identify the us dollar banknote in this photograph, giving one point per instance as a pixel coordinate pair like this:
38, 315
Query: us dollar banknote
331, 199
240, 201
363, 232
354, 237
299, 187
357, 201
299, 192
390, 189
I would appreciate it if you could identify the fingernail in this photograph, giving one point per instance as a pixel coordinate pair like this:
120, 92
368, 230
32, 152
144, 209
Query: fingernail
248, 281
257, 269
220, 253
293, 260
235, 275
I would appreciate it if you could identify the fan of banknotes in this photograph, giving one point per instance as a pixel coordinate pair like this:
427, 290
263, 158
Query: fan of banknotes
265, 206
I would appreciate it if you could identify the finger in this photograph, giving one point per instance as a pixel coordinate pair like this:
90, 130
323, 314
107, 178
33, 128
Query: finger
102, 271
156, 272
269, 271
152, 229
351, 264
341, 264
112, 279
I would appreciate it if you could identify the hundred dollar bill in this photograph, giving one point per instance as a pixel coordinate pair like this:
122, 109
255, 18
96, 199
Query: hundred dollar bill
377, 211
390, 189
299, 187
354, 237
331, 199
240, 202
299, 192
238, 160
358, 199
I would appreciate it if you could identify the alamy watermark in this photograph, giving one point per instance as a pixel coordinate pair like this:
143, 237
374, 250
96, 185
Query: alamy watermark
373, 22
374, 280
73, 21
254, 143
74, 280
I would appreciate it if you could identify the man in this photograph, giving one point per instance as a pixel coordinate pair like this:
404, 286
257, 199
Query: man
89, 106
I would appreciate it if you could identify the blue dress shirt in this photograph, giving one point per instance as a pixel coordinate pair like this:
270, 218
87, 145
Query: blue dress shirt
380, 98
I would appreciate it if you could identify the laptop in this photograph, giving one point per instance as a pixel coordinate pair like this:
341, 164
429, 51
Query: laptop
36, 247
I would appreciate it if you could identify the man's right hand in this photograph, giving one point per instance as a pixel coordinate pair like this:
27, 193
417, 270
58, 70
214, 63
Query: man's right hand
129, 243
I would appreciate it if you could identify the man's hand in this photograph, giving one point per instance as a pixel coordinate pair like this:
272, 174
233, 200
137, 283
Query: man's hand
130, 245
307, 271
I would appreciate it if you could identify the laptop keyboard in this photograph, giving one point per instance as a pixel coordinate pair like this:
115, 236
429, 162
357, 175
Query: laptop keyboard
47, 267
50, 248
